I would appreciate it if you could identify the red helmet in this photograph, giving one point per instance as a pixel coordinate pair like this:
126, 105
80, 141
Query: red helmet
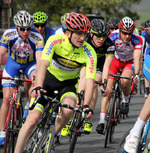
127, 24
77, 22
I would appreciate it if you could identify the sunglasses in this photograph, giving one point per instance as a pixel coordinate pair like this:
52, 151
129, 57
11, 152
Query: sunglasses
40, 25
113, 28
99, 36
126, 33
23, 29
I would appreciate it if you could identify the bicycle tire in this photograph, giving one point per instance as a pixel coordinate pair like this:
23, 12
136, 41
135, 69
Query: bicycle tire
46, 143
9, 144
74, 135
109, 122
119, 148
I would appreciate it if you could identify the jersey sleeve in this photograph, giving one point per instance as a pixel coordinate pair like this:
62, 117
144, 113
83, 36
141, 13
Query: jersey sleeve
5, 40
91, 61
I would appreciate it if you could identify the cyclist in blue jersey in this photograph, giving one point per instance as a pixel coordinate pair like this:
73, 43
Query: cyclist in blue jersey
25, 46
146, 35
133, 139
40, 24
40, 21
59, 29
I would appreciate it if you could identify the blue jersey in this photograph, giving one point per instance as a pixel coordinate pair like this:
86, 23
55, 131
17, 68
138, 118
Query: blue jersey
146, 36
21, 50
48, 32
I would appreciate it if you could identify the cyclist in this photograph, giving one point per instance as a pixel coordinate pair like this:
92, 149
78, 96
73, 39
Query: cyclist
146, 35
59, 29
25, 46
61, 61
104, 47
141, 28
113, 24
132, 140
128, 48
40, 24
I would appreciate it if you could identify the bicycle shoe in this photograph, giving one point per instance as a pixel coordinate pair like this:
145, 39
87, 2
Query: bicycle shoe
125, 108
65, 130
87, 127
2, 138
100, 128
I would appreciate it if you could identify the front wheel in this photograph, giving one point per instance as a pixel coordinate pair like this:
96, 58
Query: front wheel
46, 144
9, 144
74, 133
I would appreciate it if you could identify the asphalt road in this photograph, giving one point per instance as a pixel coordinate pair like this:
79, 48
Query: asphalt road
94, 143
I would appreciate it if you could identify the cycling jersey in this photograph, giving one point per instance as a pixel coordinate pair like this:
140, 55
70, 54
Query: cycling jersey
107, 49
147, 44
21, 50
21, 53
59, 30
66, 61
124, 51
48, 32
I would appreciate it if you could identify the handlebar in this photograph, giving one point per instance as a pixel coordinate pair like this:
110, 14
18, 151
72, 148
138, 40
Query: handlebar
118, 75
102, 84
15, 79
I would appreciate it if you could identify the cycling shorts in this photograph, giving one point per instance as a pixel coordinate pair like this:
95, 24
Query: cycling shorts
51, 83
118, 65
12, 69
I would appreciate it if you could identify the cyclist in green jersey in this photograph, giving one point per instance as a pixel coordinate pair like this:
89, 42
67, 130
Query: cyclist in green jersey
62, 59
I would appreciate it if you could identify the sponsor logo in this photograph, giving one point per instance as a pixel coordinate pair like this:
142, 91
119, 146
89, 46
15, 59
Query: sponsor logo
88, 52
146, 68
69, 64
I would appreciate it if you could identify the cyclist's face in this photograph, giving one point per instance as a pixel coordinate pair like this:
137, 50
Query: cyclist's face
113, 29
24, 32
40, 27
98, 41
125, 35
78, 38
148, 30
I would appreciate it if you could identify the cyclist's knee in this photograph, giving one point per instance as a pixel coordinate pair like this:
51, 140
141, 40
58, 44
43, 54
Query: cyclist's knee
33, 118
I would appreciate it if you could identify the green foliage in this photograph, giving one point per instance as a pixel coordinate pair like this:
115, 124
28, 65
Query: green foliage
56, 8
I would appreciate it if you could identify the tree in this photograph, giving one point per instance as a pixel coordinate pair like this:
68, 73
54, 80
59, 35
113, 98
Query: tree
56, 8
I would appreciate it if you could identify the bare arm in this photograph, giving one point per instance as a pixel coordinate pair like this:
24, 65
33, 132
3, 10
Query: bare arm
3, 51
137, 61
88, 91
106, 67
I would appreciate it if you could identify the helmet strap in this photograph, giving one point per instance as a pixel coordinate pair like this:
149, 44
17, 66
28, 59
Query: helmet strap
71, 41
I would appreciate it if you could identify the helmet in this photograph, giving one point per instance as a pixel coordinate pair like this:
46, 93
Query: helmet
23, 19
127, 24
99, 26
63, 17
77, 22
40, 17
113, 22
142, 25
147, 23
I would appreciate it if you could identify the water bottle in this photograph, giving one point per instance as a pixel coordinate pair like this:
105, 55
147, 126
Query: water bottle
147, 149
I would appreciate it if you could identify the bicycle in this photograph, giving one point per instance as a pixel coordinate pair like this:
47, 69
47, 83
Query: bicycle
14, 118
42, 137
78, 121
113, 115
143, 140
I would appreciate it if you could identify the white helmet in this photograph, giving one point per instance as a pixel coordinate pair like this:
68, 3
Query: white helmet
23, 19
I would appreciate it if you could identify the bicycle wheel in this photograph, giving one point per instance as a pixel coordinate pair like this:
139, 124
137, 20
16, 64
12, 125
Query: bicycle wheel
9, 144
109, 122
119, 148
74, 133
46, 143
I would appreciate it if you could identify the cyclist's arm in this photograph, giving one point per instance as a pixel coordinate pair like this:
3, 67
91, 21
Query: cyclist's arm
3, 51
137, 60
88, 90
106, 66
38, 57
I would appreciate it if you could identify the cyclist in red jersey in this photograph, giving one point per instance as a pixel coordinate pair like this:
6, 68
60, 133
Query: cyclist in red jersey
128, 48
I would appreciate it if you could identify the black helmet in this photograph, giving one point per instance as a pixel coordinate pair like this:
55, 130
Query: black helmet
99, 26
142, 25
147, 23
113, 22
